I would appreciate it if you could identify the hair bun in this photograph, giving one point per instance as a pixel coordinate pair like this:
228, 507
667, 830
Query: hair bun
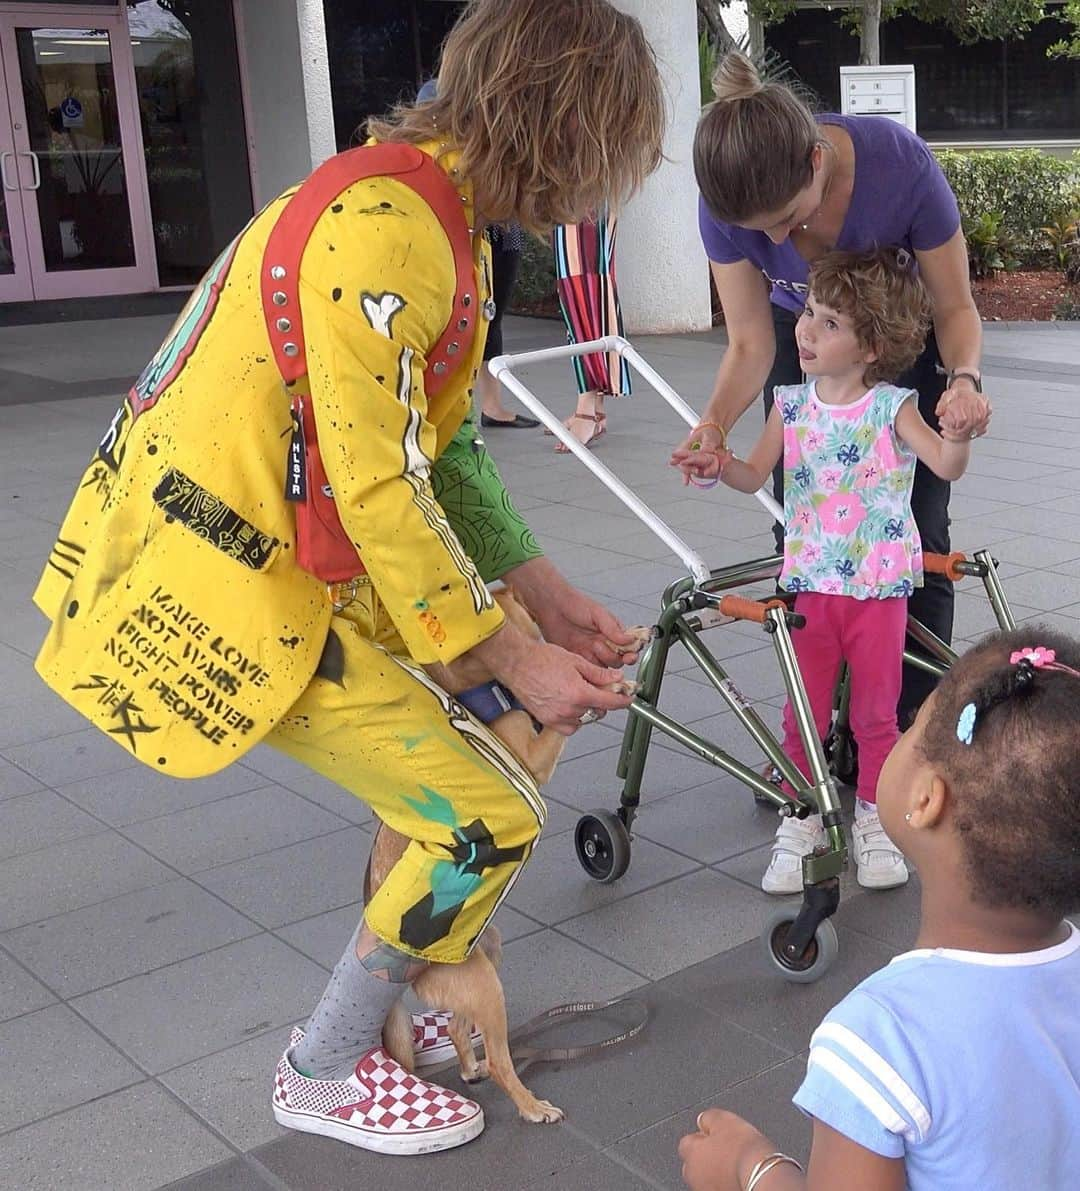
735, 77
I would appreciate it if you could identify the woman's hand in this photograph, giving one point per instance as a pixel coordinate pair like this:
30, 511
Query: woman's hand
963, 413
701, 455
722, 1153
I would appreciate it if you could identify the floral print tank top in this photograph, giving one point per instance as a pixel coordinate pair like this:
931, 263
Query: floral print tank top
847, 495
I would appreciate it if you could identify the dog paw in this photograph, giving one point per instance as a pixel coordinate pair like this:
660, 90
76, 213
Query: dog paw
626, 686
542, 1112
478, 1074
642, 634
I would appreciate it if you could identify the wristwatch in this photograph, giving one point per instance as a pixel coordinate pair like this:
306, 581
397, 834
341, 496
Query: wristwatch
974, 377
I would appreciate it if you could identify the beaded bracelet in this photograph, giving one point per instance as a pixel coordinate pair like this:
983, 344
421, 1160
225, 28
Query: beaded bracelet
770, 1162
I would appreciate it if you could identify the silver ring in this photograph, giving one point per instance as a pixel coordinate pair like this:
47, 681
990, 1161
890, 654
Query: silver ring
974, 434
589, 716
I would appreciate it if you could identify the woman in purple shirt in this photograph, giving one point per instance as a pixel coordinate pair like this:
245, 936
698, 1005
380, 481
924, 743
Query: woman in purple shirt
780, 187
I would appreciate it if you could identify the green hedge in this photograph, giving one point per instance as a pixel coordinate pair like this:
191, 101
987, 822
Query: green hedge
1027, 188
536, 280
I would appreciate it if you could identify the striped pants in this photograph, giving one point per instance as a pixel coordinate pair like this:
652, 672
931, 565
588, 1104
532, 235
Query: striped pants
585, 281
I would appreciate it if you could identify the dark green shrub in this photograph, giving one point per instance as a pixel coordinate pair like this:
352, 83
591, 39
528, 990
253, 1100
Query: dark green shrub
1027, 187
990, 245
1068, 309
536, 280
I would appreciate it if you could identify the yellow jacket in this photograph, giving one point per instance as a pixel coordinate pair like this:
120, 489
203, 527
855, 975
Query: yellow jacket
181, 624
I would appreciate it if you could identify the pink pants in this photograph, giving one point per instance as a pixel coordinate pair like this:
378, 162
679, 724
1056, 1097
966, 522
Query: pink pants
869, 636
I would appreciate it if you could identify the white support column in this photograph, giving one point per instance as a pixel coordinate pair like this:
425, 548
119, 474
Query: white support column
661, 266
290, 115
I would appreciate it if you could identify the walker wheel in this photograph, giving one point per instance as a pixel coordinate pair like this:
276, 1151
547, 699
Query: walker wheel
602, 843
814, 962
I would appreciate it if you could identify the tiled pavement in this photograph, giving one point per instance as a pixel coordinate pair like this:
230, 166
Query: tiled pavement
157, 938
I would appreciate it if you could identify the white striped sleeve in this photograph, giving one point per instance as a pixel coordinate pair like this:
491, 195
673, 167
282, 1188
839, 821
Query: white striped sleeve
863, 1080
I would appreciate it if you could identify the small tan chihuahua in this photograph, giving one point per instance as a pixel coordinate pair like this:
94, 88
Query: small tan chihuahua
472, 991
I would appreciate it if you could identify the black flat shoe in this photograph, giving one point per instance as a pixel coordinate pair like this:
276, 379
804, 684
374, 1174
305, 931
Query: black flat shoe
518, 422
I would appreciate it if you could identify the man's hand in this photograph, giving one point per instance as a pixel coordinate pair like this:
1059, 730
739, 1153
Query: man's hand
569, 618
557, 687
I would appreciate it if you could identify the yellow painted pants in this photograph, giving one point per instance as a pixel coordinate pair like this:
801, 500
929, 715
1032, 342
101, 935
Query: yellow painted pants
374, 723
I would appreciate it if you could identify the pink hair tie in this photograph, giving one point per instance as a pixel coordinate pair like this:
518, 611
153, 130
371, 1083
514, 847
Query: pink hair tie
1041, 658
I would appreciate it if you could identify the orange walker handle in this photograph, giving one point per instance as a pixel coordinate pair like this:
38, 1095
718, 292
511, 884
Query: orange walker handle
740, 608
949, 565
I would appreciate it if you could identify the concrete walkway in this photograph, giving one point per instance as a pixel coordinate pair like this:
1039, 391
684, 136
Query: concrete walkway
158, 938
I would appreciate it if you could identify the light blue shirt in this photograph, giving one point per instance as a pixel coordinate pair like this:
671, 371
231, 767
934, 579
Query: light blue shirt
966, 1065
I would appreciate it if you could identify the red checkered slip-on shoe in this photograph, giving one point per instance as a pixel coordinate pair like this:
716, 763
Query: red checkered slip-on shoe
379, 1107
431, 1039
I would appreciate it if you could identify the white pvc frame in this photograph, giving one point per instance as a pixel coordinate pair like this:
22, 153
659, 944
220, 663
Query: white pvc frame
503, 368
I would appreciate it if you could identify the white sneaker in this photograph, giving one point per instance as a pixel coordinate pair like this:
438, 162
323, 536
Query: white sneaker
878, 864
795, 838
380, 1107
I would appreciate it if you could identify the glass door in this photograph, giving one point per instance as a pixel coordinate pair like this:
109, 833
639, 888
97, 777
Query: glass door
77, 163
15, 281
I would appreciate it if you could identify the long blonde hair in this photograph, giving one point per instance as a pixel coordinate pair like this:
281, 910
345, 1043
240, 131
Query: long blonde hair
753, 150
556, 106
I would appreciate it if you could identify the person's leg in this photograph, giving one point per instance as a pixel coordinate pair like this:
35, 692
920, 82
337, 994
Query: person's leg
786, 370
873, 641
379, 727
933, 603
505, 265
817, 650
585, 282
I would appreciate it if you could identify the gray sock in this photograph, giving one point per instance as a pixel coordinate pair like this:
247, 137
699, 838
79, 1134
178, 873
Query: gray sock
348, 1020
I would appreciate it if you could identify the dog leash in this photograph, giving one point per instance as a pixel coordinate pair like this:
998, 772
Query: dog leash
525, 1056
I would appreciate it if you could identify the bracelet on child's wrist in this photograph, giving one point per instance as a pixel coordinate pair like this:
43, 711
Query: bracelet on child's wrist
712, 426
769, 1162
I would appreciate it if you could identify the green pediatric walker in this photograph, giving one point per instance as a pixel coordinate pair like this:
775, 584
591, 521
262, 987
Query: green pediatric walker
800, 942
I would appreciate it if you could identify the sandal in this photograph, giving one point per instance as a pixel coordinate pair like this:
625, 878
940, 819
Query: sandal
599, 426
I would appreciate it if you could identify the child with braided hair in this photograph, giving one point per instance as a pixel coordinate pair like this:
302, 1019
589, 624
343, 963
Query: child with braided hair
957, 1065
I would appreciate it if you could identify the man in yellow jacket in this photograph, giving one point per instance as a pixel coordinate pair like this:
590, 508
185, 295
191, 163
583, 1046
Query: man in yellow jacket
186, 622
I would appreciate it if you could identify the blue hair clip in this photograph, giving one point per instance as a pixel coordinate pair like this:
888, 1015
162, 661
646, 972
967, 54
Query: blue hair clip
965, 725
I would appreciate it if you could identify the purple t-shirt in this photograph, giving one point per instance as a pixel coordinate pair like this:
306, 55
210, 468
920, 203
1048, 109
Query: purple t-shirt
900, 198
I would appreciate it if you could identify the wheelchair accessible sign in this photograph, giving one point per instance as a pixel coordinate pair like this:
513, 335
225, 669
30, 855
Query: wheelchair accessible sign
71, 112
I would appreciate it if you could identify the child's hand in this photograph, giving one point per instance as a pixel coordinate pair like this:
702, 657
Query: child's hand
959, 417
722, 1153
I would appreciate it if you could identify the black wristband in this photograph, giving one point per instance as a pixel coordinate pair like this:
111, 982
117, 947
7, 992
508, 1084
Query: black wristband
974, 377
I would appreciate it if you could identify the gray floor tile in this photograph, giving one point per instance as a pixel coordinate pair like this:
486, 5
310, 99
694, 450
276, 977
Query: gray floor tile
14, 782
71, 1064
764, 1100
548, 967
323, 937
125, 936
134, 1140
232, 828
66, 758
19, 992
681, 1071
80, 873
663, 930
591, 781
598, 1172
743, 988
554, 887
39, 820
1036, 551
235, 1174
890, 918
231, 1089
297, 881
1043, 590
141, 793
201, 1005
710, 823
